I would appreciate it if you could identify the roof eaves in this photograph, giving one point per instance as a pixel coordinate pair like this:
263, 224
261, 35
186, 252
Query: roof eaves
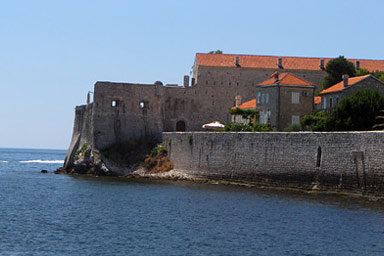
301, 86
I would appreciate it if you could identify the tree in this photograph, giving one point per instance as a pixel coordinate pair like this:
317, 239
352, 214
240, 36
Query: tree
378, 74
356, 113
359, 112
314, 122
335, 69
362, 72
216, 52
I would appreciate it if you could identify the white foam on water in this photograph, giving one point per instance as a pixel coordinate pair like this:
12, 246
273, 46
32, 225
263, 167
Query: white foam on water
43, 161
3, 161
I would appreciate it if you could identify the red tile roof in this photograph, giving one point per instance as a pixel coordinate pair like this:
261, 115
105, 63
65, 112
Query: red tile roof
340, 86
286, 79
317, 100
260, 61
248, 105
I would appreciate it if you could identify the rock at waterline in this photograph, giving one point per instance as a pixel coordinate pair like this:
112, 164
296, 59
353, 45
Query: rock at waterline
44, 171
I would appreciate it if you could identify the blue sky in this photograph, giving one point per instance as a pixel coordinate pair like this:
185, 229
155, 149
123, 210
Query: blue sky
52, 52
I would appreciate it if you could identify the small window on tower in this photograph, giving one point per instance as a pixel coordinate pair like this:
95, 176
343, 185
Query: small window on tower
114, 103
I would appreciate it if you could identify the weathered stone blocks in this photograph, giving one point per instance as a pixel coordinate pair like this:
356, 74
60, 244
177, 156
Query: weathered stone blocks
349, 162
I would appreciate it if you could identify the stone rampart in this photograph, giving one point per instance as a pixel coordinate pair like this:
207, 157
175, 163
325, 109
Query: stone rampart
350, 162
82, 132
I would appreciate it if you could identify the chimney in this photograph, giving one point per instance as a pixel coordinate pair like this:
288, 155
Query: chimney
186, 81
345, 80
357, 65
322, 64
237, 63
280, 63
193, 81
238, 100
276, 76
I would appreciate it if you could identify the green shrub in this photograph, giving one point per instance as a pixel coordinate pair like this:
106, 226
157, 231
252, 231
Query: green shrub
83, 151
293, 128
357, 112
261, 127
158, 150
314, 122
237, 127
249, 114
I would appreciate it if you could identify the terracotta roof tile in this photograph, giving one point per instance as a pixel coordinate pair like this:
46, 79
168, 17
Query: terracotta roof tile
286, 79
317, 100
340, 86
260, 61
248, 105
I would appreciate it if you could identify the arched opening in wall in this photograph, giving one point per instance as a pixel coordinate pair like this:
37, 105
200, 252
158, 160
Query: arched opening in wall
180, 126
318, 160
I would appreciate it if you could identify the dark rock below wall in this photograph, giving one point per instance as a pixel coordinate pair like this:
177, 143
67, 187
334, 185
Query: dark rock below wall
91, 164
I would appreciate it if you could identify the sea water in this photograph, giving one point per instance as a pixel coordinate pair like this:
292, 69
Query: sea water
48, 214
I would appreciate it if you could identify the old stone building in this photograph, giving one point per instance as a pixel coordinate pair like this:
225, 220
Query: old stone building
235, 70
331, 96
121, 111
284, 99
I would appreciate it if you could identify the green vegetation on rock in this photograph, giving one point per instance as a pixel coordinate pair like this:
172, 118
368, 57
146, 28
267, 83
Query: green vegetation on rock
84, 151
158, 149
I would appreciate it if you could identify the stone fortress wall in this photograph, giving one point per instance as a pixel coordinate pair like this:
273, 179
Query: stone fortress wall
123, 111
350, 162
232, 77
82, 132
149, 109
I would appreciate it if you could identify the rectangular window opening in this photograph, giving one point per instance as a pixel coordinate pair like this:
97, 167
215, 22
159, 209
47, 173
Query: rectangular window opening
295, 119
295, 98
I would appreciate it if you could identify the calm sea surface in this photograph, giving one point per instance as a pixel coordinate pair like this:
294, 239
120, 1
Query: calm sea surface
48, 214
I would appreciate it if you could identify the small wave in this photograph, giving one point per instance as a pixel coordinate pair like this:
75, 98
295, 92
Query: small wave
3, 161
43, 161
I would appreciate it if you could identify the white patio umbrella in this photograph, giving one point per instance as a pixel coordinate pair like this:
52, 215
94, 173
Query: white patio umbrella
213, 125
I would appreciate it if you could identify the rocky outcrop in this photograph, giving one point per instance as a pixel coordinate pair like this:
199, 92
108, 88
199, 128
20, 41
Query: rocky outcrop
89, 162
